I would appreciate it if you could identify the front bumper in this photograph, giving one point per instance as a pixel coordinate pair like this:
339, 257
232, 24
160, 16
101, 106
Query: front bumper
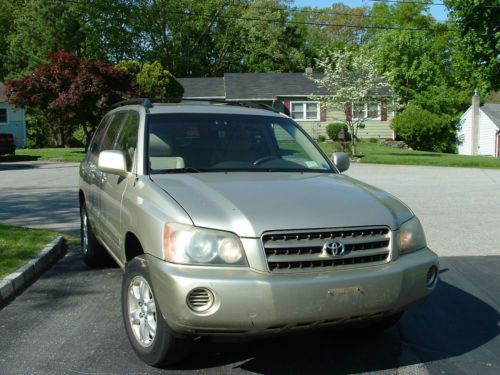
249, 302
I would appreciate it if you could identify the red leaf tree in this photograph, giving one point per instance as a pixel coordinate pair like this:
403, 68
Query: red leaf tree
68, 93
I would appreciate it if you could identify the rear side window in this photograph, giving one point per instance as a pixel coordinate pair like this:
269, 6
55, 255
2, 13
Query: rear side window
96, 141
127, 140
108, 140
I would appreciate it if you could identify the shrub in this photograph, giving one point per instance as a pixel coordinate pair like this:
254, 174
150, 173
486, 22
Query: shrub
334, 129
424, 130
321, 138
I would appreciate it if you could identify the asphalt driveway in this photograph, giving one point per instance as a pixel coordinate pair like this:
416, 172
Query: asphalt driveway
69, 322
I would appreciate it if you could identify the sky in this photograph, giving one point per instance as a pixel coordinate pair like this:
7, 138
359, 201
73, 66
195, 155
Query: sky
438, 11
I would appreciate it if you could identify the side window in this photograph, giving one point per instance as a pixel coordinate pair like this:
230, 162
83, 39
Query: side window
108, 140
127, 140
99, 133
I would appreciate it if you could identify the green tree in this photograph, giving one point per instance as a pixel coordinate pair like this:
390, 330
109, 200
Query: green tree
478, 21
351, 77
158, 82
41, 27
68, 93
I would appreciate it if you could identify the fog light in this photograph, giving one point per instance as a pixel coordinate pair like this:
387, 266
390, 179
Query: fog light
431, 277
200, 299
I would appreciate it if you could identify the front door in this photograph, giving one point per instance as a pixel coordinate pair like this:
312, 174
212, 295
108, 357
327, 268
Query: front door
114, 187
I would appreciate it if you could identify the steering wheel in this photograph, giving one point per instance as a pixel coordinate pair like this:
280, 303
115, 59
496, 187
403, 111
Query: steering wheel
263, 159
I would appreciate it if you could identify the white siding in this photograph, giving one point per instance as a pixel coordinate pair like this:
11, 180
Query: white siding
464, 133
16, 125
487, 135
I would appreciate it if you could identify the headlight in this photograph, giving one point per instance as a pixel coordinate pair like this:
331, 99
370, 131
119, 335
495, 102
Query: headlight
186, 244
411, 236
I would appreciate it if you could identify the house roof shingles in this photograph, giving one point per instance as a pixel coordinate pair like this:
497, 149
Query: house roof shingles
492, 110
212, 87
270, 85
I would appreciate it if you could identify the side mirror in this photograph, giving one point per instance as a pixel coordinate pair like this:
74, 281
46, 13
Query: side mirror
112, 162
341, 160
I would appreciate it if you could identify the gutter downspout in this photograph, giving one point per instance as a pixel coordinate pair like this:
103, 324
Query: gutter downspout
475, 124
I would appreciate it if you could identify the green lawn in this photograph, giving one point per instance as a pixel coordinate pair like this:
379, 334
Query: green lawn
18, 245
380, 154
59, 154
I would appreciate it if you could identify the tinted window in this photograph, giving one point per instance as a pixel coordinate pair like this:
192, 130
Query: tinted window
127, 140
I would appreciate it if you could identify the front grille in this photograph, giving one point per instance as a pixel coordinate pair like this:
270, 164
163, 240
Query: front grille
305, 250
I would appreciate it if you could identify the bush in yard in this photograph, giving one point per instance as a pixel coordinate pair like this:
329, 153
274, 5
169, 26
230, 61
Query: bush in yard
321, 138
334, 129
424, 130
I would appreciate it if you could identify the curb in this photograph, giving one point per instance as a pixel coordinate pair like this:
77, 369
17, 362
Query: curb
24, 275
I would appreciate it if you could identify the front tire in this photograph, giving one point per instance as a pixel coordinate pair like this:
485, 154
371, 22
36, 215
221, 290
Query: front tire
94, 254
152, 339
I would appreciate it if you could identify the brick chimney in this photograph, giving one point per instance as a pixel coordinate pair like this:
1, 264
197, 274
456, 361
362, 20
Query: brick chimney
475, 124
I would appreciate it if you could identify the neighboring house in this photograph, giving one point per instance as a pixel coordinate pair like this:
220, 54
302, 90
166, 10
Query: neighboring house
289, 93
12, 120
479, 129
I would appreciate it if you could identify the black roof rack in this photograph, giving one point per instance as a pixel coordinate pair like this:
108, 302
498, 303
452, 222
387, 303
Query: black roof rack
149, 102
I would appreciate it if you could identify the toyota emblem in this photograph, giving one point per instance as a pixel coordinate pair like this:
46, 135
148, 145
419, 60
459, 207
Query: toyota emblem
334, 248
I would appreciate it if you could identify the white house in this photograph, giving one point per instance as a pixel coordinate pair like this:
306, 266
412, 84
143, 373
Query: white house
12, 120
479, 130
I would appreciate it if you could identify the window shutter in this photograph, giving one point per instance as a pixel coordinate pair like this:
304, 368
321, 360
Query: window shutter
322, 113
348, 111
383, 111
286, 107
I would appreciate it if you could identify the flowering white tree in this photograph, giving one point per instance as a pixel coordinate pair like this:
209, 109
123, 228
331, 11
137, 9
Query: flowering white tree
351, 81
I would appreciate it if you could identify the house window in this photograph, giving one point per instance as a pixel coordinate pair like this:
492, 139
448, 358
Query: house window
305, 111
3, 115
369, 110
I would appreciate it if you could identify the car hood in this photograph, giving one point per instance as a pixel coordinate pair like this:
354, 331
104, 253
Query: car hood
250, 203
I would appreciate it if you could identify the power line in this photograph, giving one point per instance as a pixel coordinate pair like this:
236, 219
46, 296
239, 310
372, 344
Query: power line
292, 22
321, 24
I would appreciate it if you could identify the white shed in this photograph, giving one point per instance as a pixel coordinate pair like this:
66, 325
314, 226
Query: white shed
12, 120
479, 129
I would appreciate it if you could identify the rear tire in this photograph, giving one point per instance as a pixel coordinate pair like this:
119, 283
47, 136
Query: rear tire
152, 339
94, 254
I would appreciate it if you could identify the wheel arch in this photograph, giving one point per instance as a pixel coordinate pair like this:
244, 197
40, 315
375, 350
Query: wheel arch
132, 246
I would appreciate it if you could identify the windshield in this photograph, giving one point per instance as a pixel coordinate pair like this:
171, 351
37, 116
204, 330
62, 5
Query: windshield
194, 142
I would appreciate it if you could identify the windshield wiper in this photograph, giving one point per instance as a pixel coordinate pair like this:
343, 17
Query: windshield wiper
179, 170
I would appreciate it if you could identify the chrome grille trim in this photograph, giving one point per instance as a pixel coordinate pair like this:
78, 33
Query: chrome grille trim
302, 251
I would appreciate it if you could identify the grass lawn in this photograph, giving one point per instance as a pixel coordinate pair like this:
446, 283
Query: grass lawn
59, 154
18, 245
381, 154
